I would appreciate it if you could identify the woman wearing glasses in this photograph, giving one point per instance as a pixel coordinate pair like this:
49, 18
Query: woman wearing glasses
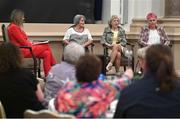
152, 33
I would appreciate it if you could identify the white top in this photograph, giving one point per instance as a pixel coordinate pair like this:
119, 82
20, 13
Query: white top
154, 37
80, 37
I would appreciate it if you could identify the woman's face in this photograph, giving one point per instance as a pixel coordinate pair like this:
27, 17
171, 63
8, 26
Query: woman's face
152, 22
115, 23
81, 22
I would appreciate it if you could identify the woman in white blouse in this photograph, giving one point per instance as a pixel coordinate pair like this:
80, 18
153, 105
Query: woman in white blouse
152, 33
78, 33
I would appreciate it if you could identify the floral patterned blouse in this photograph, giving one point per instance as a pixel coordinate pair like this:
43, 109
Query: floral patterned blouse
89, 99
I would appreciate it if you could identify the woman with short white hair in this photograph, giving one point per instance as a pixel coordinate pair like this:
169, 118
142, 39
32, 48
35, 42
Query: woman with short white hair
78, 33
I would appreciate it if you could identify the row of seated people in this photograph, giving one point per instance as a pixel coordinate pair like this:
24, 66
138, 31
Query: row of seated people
113, 38
75, 88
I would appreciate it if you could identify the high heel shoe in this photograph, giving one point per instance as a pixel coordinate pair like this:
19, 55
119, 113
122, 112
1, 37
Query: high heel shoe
109, 66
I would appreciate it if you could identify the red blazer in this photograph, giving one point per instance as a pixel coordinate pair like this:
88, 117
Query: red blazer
18, 37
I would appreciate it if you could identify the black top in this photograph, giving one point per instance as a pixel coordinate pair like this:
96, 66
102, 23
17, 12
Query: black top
143, 99
17, 92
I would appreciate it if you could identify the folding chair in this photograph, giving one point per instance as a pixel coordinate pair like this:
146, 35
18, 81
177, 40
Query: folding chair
46, 114
2, 111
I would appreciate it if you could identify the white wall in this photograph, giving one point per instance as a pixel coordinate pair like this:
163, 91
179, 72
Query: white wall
136, 9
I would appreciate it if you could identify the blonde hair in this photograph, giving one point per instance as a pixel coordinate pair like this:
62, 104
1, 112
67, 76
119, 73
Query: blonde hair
112, 18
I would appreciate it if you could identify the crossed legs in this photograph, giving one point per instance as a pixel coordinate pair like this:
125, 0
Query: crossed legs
115, 57
44, 52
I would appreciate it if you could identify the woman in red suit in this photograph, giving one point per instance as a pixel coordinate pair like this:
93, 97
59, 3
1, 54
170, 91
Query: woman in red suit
19, 38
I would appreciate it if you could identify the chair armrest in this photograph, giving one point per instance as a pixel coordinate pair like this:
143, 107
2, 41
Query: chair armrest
26, 47
130, 44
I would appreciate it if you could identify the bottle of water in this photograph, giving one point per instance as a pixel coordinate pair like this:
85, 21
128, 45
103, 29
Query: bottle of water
101, 77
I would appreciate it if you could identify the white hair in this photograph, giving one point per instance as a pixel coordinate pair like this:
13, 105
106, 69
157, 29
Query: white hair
72, 52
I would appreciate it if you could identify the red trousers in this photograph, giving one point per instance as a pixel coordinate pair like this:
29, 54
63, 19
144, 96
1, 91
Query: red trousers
44, 52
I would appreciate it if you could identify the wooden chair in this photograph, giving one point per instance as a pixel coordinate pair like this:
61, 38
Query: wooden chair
2, 111
125, 61
27, 64
46, 114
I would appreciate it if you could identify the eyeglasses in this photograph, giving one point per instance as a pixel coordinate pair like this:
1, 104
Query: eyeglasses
152, 20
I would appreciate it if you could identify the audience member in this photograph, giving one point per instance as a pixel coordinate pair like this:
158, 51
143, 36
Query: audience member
61, 73
89, 97
157, 93
78, 33
114, 39
19, 38
152, 33
19, 89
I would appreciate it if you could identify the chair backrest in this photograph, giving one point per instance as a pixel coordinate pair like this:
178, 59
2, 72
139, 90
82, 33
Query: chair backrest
5, 33
2, 111
45, 114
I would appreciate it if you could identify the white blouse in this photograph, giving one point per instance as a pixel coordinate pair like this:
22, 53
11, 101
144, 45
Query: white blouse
154, 37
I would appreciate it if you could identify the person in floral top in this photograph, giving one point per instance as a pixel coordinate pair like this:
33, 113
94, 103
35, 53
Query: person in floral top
89, 97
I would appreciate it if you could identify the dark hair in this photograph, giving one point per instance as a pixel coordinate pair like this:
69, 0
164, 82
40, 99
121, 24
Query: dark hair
88, 68
17, 17
159, 60
10, 57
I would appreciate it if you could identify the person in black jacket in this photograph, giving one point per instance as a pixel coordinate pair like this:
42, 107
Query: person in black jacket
19, 89
157, 94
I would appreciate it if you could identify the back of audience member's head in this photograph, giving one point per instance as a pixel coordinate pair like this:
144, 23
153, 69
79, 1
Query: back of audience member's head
159, 60
10, 57
77, 19
17, 16
72, 52
88, 68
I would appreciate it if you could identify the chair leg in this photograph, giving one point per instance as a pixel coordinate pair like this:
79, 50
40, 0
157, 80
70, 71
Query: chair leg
39, 68
124, 68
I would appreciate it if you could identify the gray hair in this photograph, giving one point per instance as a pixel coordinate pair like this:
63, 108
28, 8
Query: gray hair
72, 52
112, 18
17, 16
77, 18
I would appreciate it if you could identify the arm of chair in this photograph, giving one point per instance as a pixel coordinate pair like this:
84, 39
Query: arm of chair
33, 56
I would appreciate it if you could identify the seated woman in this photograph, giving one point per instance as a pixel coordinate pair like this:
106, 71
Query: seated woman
61, 73
78, 33
19, 38
89, 97
152, 33
19, 89
114, 38
156, 95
